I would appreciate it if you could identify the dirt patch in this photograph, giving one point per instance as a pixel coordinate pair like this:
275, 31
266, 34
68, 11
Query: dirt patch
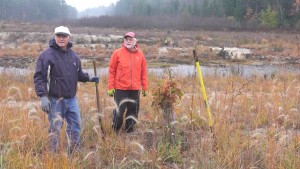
20, 49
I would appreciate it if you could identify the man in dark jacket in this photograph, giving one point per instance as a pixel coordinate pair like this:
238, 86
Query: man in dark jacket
57, 73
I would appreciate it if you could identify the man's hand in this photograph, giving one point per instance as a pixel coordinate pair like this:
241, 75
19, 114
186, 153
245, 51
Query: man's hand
111, 92
45, 104
144, 93
94, 79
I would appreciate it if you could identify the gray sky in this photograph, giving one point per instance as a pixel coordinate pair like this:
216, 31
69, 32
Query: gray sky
81, 5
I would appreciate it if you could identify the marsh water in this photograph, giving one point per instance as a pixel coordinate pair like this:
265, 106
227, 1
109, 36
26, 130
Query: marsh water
189, 70
238, 70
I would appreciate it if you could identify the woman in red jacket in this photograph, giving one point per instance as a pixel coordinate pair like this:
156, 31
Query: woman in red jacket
127, 76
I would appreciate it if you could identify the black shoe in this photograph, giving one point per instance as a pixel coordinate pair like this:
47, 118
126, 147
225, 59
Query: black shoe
115, 128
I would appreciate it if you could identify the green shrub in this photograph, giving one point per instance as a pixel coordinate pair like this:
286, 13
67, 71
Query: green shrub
269, 18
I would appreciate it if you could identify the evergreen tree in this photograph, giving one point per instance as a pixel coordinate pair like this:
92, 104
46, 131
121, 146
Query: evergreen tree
239, 10
214, 9
196, 8
205, 8
268, 18
290, 15
34, 10
229, 6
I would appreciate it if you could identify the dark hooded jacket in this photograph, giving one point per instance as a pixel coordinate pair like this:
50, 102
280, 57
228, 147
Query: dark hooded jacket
64, 72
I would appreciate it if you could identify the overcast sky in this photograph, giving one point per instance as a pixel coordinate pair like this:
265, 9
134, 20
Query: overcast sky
81, 5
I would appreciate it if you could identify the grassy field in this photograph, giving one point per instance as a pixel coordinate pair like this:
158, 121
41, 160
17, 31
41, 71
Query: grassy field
256, 120
256, 125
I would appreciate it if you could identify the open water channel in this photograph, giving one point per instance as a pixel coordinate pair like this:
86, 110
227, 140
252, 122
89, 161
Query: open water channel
188, 70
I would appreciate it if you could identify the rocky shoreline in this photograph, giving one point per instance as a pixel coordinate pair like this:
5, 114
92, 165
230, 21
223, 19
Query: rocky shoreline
21, 49
29, 62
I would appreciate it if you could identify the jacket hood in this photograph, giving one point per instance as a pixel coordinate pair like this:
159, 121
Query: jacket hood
53, 44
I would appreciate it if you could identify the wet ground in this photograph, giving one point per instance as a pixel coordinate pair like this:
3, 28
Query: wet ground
161, 48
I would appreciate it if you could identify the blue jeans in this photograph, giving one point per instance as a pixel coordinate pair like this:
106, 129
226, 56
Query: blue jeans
64, 109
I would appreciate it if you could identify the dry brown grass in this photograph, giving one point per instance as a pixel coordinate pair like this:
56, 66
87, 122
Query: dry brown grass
257, 125
25, 49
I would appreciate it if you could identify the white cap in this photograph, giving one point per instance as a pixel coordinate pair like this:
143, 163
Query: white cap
62, 30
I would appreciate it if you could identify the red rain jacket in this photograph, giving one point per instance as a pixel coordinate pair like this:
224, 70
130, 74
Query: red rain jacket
127, 70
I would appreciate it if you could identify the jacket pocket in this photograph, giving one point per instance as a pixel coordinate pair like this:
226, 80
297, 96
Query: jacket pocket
54, 87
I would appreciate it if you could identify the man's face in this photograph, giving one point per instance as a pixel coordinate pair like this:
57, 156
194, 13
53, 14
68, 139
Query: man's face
129, 42
62, 40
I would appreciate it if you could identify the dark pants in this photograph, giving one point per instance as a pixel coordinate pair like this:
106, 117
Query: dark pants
126, 100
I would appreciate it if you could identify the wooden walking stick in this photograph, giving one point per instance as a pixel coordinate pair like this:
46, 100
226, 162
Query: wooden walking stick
98, 102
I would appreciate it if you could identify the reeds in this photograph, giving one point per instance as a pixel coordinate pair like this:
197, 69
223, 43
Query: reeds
257, 125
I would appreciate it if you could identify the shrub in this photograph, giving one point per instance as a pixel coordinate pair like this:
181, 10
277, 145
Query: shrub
268, 18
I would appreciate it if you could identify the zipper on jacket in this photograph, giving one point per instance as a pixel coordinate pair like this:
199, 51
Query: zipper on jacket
131, 70
120, 74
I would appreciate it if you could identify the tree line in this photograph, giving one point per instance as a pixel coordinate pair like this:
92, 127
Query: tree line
246, 13
35, 10
271, 13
